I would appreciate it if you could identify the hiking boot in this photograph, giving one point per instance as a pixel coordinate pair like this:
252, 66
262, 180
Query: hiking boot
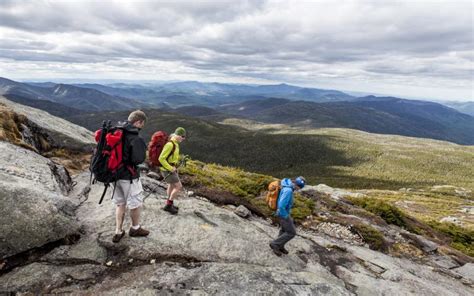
171, 209
284, 251
138, 232
276, 250
118, 236
174, 206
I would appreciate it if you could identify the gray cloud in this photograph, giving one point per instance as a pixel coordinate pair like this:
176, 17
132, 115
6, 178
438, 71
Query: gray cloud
301, 42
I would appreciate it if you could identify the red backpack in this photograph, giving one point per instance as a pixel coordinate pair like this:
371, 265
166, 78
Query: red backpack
157, 142
113, 149
107, 161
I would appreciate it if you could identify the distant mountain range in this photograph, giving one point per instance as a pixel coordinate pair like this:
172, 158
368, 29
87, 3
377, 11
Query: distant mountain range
214, 94
52, 108
119, 96
464, 107
384, 115
265, 103
72, 96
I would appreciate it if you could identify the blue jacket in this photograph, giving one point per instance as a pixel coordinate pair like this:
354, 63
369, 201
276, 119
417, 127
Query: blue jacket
285, 199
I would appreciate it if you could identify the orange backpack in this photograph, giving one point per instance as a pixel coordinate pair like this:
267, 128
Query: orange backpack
272, 195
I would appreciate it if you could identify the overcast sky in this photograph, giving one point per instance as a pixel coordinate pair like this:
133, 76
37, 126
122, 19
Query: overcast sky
403, 48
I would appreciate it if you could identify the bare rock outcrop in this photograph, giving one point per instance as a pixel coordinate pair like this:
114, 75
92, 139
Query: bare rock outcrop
208, 250
55, 132
33, 208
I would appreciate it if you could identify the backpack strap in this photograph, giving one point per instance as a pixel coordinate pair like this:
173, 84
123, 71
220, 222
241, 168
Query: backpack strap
103, 193
172, 150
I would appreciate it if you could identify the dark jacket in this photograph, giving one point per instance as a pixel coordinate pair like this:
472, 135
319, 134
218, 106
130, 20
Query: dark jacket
134, 152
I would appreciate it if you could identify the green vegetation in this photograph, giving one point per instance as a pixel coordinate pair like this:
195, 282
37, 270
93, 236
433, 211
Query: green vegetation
236, 181
391, 214
462, 239
243, 184
302, 208
370, 235
428, 204
337, 157
377, 161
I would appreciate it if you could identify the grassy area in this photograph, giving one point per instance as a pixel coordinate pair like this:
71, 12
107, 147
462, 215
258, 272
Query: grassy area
375, 161
428, 205
371, 236
249, 186
460, 238
388, 212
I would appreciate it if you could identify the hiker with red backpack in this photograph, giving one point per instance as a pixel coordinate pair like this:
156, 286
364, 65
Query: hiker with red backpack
119, 151
163, 154
169, 159
283, 204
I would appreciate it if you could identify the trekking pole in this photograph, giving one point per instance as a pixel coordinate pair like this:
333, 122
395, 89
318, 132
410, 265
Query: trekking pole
156, 187
182, 162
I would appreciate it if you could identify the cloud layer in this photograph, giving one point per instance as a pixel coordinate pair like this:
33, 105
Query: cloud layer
415, 48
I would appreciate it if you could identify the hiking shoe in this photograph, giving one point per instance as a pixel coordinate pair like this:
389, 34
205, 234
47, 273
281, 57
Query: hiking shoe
174, 206
284, 251
138, 232
118, 236
276, 250
171, 209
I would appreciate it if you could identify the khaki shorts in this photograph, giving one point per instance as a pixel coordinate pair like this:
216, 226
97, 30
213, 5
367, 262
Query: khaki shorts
171, 178
129, 194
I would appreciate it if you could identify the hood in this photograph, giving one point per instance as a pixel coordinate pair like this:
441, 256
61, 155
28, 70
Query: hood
286, 183
129, 127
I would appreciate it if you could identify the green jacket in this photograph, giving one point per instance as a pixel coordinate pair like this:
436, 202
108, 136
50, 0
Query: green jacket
168, 161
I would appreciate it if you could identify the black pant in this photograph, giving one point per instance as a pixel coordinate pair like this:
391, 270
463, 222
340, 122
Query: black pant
287, 232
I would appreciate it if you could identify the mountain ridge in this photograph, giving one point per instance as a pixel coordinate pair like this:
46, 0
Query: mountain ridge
371, 114
72, 96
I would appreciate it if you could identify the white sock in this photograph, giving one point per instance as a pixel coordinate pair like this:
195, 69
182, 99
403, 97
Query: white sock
118, 231
136, 227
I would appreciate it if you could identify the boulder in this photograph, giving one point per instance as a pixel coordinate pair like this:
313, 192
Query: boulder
33, 209
334, 193
242, 212
421, 242
466, 271
451, 219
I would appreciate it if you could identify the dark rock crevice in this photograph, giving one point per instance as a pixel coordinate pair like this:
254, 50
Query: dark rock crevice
35, 254
62, 177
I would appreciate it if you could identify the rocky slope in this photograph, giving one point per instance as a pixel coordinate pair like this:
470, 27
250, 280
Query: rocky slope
205, 249
55, 238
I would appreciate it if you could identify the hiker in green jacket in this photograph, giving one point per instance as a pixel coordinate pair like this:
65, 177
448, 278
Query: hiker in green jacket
169, 159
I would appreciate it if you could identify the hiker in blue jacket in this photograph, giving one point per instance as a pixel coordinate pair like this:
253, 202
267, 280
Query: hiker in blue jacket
285, 203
